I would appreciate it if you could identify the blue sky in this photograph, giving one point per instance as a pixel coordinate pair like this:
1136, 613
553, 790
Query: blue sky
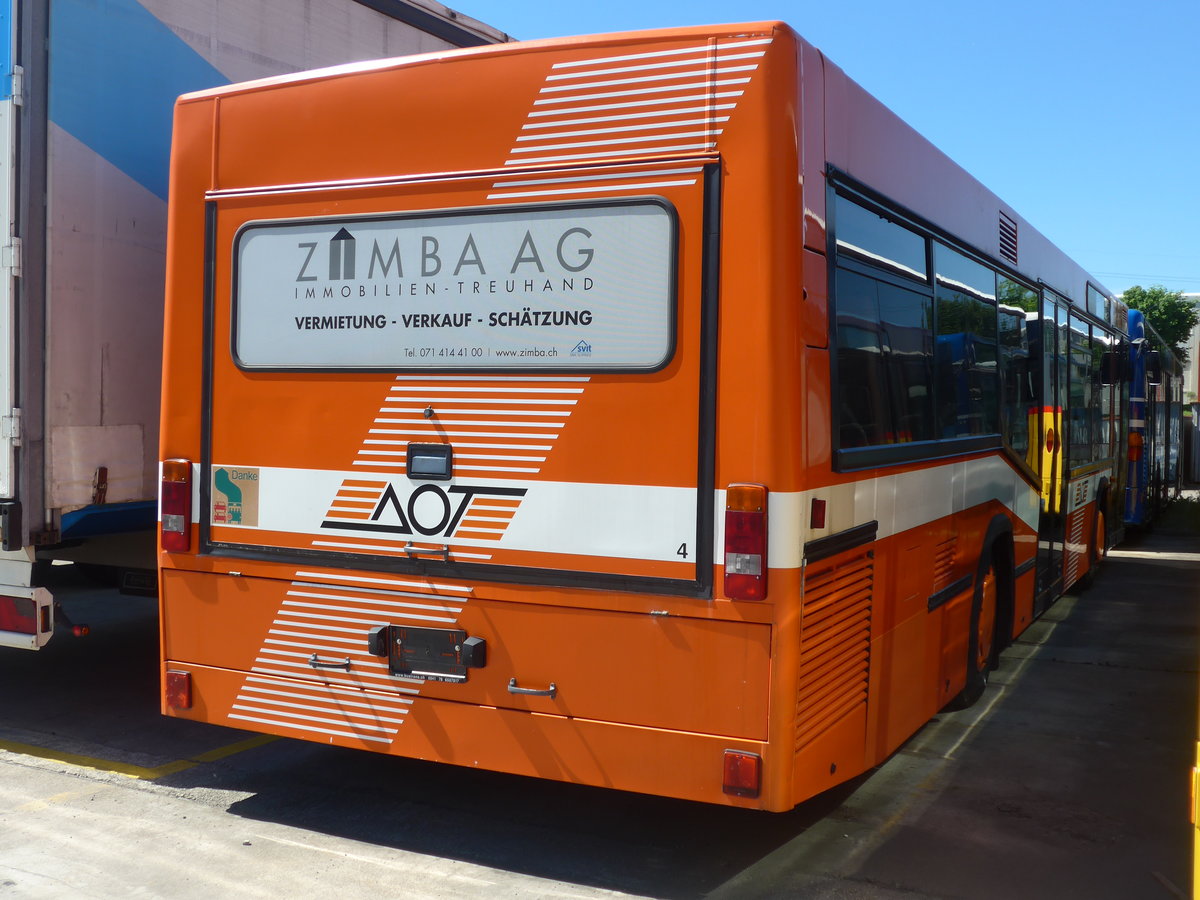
1084, 116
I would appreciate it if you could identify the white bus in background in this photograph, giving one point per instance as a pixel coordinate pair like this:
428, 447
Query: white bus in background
86, 97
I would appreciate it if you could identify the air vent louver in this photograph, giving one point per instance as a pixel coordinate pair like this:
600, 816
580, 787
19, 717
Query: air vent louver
1008, 238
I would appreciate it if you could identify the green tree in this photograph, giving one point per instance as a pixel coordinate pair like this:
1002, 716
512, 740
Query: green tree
1172, 315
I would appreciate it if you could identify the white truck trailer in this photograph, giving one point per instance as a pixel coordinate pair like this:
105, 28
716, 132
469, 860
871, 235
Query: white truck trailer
87, 89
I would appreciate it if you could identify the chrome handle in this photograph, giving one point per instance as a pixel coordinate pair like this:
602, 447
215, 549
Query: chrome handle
317, 663
532, 692
410, 551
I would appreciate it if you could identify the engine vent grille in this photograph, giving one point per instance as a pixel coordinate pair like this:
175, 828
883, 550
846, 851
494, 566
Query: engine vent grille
943, 562
835, 643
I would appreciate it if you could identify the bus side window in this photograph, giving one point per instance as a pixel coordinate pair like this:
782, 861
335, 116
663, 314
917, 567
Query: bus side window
860, 374
905, 317
1082, 446
967, 389
884, 363
1018, 377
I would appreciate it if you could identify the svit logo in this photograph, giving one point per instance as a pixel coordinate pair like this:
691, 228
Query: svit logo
583, 348
235, 496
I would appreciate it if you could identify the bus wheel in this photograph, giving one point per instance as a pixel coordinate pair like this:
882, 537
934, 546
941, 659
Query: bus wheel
1095, 553
981, 644
1100, 540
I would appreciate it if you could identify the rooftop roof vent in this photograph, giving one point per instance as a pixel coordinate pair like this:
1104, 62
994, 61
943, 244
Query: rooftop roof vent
1008, 238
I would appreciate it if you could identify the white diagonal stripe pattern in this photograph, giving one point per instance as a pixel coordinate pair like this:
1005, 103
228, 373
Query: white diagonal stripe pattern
616, 107
504, 428
332, 620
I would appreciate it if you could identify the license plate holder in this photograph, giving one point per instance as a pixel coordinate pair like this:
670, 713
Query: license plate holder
434, 654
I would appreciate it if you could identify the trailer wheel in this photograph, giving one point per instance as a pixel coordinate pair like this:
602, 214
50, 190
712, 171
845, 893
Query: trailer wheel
981, 644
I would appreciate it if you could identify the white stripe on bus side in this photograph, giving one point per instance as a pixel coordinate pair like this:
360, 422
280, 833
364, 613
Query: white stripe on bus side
650, 522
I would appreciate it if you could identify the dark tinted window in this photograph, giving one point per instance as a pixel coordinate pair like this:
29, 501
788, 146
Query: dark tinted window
861, 384
934, 344
1019, 379
968, 393
1080, 432
883, 364
878, 239
907, 317
1102, 393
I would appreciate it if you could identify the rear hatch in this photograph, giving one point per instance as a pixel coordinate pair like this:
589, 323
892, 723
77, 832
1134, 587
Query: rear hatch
420, 381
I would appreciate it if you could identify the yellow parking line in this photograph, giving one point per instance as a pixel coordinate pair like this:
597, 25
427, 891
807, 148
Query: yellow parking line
145, 773
66, 796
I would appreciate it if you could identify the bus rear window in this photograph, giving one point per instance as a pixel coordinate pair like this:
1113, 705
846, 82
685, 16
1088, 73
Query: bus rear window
579, 287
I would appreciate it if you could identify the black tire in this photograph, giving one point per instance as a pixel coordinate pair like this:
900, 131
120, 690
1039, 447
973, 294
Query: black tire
1096, 550
982, 643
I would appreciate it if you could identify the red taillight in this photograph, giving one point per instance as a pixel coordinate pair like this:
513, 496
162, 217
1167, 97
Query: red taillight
179, 689
19, 614
746, 542
26, 622
175, 505
1136, 442
743, 773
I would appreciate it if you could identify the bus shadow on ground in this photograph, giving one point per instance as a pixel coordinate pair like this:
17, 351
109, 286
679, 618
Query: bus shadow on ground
581, 835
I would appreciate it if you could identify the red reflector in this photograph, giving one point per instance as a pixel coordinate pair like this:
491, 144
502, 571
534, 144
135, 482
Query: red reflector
746, 542
817, 517
175, 505
18, 614
179, 689
1136, 442
743, 774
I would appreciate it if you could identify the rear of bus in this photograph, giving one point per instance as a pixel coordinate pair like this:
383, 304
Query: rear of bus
441, 475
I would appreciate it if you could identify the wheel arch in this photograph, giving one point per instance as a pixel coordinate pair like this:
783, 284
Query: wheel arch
997, 546
1102, 498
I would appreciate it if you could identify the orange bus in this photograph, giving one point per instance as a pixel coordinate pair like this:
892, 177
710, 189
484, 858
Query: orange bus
653, 411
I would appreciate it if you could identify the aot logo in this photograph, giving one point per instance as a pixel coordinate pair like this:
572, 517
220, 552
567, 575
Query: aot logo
428, 511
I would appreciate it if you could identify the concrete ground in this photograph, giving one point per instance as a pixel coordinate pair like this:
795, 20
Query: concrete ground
1072, 777
1069, 779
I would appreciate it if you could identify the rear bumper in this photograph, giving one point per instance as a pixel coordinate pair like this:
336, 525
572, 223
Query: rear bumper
561, 748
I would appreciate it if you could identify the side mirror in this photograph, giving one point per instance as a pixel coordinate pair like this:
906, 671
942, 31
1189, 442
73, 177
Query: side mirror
1112, 369
1153, 367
